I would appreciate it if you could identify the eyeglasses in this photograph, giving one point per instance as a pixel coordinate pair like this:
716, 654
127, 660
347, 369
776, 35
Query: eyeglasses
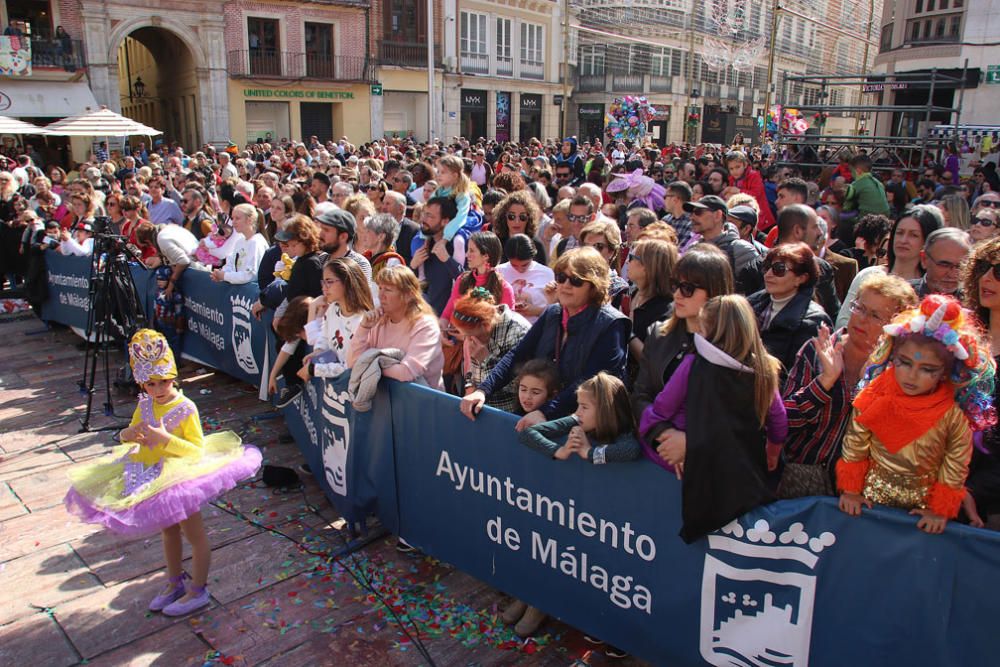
779, 269
329, 282
858, 309
523, 217
578, 218
982, 267
687, 289
575, 281
632, 257
947, 266
599, 247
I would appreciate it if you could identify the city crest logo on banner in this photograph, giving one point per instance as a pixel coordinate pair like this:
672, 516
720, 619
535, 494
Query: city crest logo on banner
757, 594
336, 437
242, 347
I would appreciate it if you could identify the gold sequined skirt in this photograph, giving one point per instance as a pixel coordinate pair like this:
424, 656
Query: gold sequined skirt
892, 489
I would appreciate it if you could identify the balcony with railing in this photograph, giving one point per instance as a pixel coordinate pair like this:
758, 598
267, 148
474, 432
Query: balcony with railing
661, 84
625, 82
532, 69
24, 55
592, 83
505, 66
274, 64
406, 54
474, 63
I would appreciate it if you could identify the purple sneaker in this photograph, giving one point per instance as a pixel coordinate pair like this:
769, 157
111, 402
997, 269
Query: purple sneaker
175, 593
178, 608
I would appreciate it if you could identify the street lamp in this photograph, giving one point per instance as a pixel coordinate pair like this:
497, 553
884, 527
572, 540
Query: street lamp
139, 87
693, 117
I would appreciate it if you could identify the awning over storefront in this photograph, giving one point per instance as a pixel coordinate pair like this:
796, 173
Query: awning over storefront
45, 99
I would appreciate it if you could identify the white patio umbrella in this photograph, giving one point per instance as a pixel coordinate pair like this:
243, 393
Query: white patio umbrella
101, 123
10, 125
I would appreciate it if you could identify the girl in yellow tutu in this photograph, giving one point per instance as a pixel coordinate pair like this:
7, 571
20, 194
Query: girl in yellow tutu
162, 474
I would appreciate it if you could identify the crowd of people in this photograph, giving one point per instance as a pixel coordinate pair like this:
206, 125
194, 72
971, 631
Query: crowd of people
756, 330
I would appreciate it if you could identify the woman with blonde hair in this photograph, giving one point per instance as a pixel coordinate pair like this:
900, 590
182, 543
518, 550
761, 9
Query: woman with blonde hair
955, 210
580, 332
243, 250
720, 443
405, 321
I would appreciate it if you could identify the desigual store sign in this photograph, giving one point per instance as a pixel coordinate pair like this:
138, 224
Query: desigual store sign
284, 94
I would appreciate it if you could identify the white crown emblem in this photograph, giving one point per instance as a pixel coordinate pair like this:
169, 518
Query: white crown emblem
241, 305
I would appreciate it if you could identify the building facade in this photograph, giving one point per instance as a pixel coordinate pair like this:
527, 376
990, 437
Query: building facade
918, 36
43, 79
674, 53
298, 70
502, 70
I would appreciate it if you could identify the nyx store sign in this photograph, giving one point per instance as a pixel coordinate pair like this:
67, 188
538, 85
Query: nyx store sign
531, 102
474, 99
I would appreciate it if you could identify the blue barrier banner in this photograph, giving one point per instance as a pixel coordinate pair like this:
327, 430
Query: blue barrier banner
69, 288
793, 583
221, 331
349, 452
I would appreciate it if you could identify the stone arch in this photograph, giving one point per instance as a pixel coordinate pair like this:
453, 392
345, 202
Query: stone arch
181, 32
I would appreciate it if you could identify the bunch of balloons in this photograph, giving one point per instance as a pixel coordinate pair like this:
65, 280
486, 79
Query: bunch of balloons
627, 118
791, 120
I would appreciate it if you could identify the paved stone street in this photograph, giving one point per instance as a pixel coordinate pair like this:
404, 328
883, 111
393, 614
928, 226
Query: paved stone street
73, 594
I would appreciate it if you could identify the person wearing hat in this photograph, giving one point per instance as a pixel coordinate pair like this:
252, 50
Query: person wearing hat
80, 242
745, 219
337, 231
708, 221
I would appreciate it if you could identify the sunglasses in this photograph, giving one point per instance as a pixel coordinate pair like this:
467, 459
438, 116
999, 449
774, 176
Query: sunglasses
982, 267
881, 252
985, 222
599, 247
687, 289
990, 203
578, 218
575, 281
779, 269
523, 217
632, 257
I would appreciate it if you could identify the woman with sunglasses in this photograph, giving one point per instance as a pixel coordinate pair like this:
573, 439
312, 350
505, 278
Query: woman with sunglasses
906, 241
518, 213
702, 273
786, 312
823, 381
651, 263
581, 333
981, 290
985, 225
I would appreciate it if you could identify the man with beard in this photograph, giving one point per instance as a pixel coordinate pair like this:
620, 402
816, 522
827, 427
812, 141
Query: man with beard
196, 220
337, 231
437, 262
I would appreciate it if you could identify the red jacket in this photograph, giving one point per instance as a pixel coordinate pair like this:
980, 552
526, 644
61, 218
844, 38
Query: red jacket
752, 184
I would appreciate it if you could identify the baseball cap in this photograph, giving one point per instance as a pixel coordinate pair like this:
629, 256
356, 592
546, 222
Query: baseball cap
84, 226
338, 218
744, 214
283, 236
707, 203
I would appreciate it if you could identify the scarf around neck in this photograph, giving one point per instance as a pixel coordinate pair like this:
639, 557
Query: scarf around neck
895, 418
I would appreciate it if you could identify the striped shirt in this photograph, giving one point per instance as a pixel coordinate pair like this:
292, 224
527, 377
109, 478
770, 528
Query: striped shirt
817, 418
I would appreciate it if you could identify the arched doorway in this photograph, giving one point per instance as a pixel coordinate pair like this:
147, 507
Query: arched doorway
158, 84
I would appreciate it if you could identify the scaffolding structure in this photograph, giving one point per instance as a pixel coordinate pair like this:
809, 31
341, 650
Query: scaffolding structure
820, 151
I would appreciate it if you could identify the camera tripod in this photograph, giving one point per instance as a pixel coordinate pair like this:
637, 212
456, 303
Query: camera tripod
115, 314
